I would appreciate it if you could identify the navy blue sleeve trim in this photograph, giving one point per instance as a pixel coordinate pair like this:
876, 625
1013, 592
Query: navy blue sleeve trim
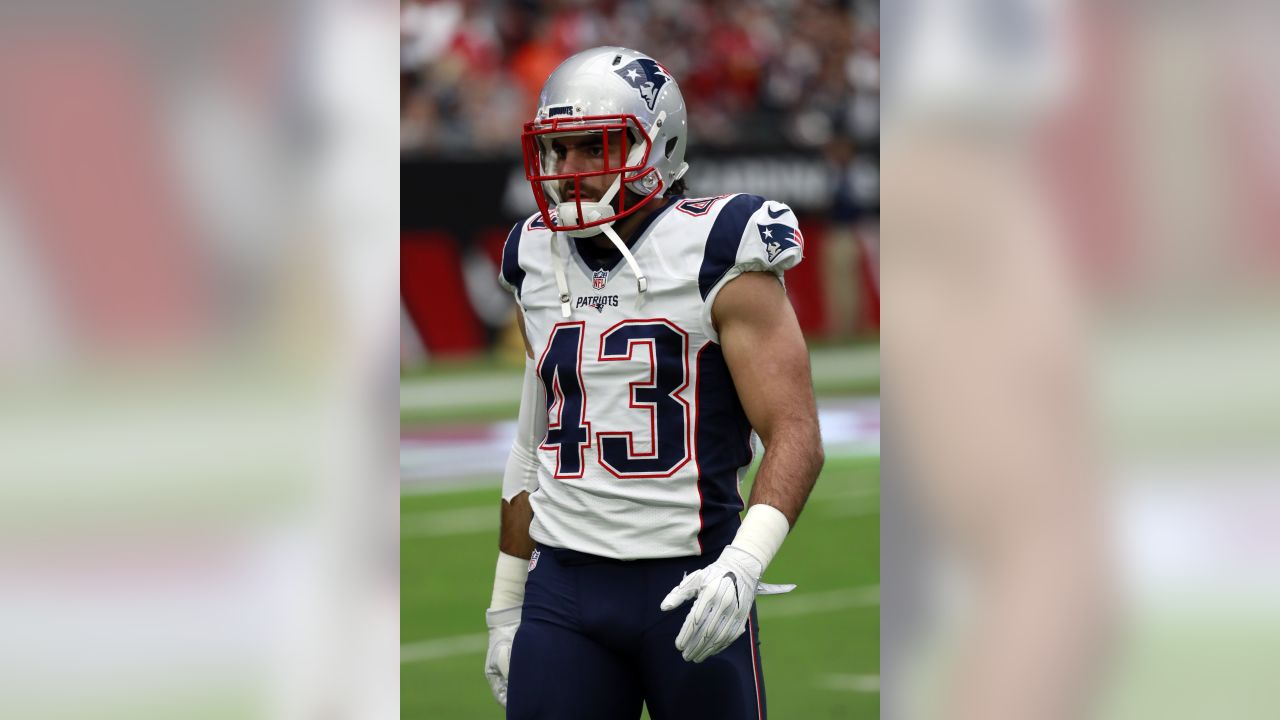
512, 273
722, 242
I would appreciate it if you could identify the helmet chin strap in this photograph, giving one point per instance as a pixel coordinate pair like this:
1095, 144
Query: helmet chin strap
568, 211
642, 282
562, 282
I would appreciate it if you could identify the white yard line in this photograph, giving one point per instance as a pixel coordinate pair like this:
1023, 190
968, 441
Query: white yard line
850, 683
797, 604
462, 521
833, 364
444, 648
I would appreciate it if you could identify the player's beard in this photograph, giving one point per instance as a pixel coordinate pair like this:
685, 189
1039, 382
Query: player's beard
587, 195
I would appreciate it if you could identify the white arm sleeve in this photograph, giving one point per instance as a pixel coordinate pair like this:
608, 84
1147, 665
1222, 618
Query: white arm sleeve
521, 474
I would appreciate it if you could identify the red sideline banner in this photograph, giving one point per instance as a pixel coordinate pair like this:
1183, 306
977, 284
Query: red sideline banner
435, 294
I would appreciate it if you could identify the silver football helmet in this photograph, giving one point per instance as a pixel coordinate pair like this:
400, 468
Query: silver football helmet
626, 97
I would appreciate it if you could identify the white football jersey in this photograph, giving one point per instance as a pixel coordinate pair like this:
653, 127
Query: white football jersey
647, 441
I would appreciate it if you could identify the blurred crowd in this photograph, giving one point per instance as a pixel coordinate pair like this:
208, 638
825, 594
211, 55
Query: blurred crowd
471, 70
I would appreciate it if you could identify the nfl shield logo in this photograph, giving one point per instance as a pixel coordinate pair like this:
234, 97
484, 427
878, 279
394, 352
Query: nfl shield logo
599, 279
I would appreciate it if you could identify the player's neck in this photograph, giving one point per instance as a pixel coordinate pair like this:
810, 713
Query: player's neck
627, 226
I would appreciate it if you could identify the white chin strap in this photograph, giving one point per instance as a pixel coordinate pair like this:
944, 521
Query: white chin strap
567, 214
562, 282
642, 282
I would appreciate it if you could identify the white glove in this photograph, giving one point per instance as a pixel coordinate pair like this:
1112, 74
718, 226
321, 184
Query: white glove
725, 590
497, 661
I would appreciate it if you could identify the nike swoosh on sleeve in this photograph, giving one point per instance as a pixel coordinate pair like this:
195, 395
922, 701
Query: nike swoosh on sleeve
776, 215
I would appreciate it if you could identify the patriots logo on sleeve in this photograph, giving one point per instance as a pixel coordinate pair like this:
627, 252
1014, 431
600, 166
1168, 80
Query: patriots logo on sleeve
646, 76
779, 238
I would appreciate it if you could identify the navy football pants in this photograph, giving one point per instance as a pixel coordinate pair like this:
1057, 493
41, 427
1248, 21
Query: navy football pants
593, 645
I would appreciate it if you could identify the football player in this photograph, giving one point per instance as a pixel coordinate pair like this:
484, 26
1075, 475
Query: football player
659, 337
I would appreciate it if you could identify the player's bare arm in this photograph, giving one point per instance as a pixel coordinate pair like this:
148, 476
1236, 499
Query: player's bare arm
769, 361
514, 537
766, 355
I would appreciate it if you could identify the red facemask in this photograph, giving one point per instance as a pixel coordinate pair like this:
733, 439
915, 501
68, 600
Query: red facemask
541, 167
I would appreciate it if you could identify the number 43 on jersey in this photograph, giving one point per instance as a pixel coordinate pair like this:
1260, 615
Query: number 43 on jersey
656, 392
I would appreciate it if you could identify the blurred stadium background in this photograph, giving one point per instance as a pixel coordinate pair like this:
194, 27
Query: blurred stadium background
783, 100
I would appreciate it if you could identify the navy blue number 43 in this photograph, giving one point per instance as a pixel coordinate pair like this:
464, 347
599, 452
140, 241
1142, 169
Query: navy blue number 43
665, 348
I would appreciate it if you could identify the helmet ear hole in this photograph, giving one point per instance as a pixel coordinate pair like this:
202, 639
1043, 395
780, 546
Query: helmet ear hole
671, 146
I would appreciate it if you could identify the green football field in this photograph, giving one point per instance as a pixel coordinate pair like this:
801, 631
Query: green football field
820, 644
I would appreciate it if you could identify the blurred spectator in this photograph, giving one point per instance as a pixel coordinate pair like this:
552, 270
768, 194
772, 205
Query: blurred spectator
471, 69
842, 251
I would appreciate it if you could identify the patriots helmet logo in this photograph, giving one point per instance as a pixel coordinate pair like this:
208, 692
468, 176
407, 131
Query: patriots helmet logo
599, 278
646, 76
779, 238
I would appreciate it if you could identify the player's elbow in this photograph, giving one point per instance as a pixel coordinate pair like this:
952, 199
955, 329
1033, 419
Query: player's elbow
818, 457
